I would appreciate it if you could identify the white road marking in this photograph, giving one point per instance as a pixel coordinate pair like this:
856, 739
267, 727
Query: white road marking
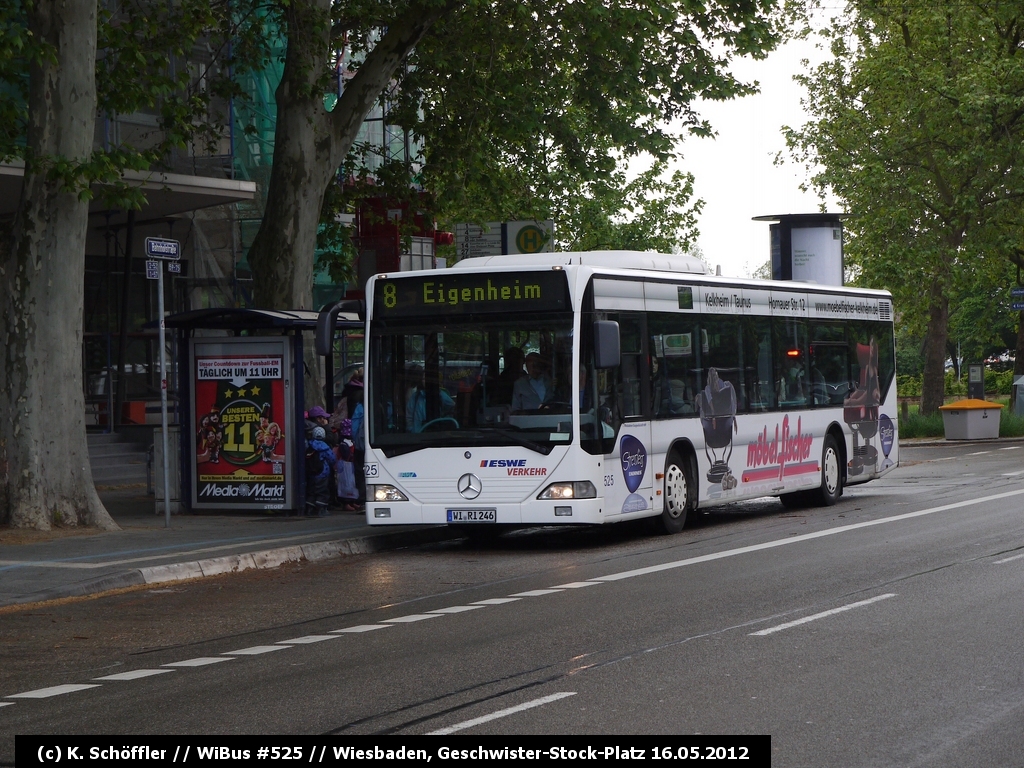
804, 537
823, 614
1009, 559
307, 639
135, 674
57, 690
1011, 448
1013, 474
256, 650
978, 453
412, 617
501, 713
200, 661
360, 628
495, 601
457, 609
262, 649
6, 703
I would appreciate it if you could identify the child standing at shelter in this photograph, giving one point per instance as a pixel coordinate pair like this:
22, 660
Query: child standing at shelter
319, 461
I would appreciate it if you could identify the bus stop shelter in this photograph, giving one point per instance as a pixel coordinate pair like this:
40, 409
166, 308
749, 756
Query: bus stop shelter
240, 376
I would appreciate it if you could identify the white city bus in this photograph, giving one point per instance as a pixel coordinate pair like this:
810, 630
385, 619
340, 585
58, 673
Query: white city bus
651, 389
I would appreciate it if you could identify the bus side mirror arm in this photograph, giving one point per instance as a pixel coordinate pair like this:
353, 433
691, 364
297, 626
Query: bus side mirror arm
607, 352
327, 320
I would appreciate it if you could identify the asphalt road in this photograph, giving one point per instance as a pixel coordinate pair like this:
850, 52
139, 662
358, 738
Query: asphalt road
885, 631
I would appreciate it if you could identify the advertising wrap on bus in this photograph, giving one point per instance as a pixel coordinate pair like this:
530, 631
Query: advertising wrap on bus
486, 408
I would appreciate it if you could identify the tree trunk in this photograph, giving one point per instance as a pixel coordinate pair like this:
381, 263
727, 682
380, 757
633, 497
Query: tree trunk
45, 477
934, 378
311, 143
282, 254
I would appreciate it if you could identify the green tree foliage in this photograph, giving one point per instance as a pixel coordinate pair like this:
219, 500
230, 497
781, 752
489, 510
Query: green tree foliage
525, 110
917, 126
651, 211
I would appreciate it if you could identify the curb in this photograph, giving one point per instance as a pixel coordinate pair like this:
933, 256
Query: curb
262, 560
914, 442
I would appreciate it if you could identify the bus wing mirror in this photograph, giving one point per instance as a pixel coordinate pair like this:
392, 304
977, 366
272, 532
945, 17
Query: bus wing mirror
327, 321
606, 344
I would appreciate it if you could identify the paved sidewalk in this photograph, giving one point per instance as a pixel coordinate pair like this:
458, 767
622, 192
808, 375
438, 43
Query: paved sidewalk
145, 552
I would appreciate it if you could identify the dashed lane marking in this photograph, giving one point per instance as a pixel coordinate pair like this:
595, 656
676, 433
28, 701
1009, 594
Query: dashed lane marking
57, 690
256, 650
822, 615
307, 639
135, 674
1009, 559
501, 713
411, 618
457, 609
577, 585
361, 628
536, 593
200, 661
495, 601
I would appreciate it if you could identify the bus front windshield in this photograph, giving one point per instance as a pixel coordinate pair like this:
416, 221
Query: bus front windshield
498, 381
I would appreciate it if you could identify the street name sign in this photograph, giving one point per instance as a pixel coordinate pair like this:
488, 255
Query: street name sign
161, 248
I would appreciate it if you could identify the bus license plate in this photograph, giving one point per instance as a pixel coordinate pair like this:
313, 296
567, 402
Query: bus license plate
472, 516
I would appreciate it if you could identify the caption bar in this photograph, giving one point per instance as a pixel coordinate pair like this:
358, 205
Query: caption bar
159, 751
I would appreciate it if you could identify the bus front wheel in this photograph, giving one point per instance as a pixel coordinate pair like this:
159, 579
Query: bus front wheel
677, 495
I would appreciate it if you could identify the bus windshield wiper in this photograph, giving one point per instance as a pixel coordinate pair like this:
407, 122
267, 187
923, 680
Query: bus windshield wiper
517, 439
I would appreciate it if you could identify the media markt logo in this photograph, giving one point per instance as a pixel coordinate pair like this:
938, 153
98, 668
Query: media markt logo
256, 491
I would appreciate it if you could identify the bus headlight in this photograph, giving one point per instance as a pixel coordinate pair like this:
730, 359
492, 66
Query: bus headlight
581, 489
387, 493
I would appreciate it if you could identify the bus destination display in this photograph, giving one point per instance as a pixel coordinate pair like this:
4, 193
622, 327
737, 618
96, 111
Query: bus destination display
445, 292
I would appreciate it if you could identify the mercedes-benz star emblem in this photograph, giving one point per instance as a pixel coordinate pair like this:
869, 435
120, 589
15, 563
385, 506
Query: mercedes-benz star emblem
469, 486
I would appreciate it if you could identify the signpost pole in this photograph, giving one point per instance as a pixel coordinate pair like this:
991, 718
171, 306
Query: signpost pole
163, 398
159, 250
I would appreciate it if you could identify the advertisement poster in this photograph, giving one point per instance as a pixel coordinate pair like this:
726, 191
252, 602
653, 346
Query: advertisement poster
241, 426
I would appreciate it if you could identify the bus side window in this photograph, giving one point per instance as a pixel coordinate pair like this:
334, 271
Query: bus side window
674, 340
758, 367
793, 388
830, 364
723, 350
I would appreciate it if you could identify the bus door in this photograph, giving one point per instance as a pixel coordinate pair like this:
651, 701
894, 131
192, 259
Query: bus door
624, 391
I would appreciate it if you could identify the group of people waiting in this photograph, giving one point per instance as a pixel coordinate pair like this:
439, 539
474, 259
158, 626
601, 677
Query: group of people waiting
335, 452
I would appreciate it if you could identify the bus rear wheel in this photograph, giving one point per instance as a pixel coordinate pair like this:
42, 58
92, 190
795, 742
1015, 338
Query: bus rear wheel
831, 474
677, 495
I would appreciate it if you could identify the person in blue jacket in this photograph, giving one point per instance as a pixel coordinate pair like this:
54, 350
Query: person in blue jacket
319, 460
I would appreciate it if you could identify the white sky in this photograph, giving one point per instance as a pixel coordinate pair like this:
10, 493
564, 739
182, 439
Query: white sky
735, 174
